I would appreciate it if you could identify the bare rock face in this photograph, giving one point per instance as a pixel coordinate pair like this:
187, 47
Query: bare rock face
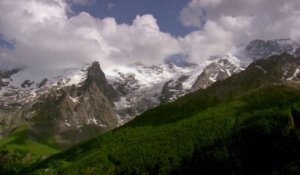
6, 74
258, 49
126, 83
42, 83
78, 113
9, 120
173, 89
214, 72
9, 73
2, 83
96, 75
27, 84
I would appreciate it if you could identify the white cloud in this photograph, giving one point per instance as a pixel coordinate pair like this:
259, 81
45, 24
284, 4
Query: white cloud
246, 19
47, 39
212, 40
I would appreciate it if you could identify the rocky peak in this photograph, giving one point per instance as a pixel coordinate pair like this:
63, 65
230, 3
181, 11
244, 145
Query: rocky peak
220, 69
96, 76
70, 108
257, 49
95, 71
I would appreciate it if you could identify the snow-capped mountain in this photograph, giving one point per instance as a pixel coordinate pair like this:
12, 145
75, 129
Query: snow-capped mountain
19, 90
224, 66
142, 87
72, 107
87, 97
257, 49
220, 69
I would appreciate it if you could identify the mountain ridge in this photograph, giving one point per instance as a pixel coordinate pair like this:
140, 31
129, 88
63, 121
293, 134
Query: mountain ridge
66, 105
250, 131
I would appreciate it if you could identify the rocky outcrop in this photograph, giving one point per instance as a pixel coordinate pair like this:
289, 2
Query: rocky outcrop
257, 49
173, 89
2, 83
9, 73
27, 83
80, 112
6, 74
216, 71
42, 83
126, 83
96, 76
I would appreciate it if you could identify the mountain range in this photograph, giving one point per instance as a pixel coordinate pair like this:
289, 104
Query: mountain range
245, 124
56, 113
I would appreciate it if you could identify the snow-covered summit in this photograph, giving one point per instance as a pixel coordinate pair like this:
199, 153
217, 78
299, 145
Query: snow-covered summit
138, 86
21, 87
141, 86
257, 49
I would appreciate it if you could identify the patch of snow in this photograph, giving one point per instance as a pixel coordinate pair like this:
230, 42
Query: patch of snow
148, 76
122, 103
228, 72
260, 68
74, 100
67, 123
78, 127
297, 71
193, 75
123, 119
33, 94
102, 125
213, 79
94, 121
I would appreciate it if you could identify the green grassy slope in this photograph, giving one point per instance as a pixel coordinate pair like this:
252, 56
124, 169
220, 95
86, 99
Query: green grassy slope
17, 141
251, 134
17, 151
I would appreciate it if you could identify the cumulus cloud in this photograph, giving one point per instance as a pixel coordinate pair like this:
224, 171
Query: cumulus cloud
211, 40
246, 19
47, 38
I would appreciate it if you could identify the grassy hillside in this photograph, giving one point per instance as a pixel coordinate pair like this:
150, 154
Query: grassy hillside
252, 134
17, 151
17, 141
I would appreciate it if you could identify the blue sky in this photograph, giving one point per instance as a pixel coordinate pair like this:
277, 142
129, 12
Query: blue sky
6, 44
166, 12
